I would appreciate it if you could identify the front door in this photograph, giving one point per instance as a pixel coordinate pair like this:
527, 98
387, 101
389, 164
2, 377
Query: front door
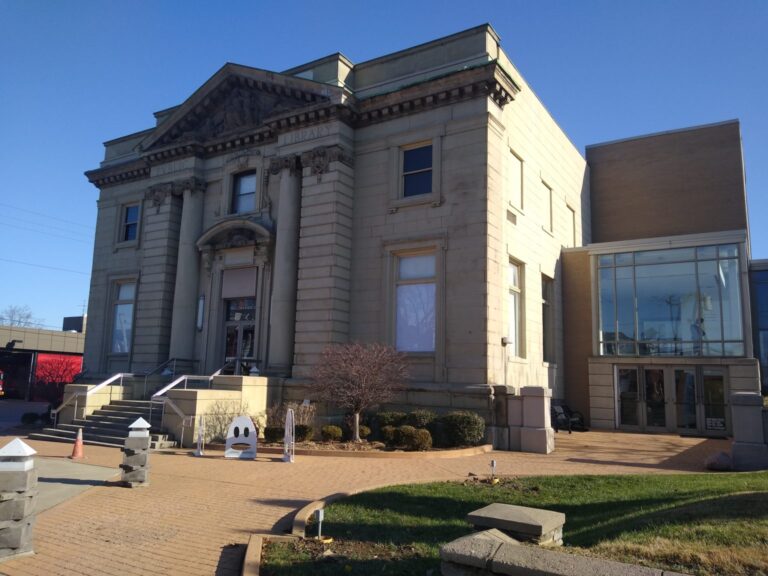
240, 334
690, 400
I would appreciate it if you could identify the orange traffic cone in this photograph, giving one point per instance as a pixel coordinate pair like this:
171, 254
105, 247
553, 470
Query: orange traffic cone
77, 449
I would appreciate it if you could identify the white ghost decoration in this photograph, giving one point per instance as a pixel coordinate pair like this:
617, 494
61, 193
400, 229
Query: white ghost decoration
241, 439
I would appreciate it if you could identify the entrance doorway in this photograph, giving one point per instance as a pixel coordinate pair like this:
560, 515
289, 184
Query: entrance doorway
241, 330
688, 400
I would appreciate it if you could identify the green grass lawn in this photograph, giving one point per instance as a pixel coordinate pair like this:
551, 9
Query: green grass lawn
694, 523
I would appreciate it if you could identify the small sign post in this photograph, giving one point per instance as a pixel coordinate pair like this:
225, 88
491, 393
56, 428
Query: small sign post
289, 439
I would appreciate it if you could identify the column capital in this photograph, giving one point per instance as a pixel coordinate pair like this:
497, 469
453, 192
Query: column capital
291, 162
319, 159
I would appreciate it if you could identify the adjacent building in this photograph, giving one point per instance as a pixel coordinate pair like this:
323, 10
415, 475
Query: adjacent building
428, 200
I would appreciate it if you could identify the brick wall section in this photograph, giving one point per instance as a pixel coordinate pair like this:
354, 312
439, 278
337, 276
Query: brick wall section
577, 329
322, 306
697, 175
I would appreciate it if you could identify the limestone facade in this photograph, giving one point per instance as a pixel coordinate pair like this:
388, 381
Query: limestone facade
314, 258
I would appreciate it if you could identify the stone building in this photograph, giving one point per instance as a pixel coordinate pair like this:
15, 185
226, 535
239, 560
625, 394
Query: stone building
423, 199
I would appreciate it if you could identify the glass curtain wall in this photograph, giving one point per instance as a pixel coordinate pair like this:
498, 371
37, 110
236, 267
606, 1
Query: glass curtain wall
675, 302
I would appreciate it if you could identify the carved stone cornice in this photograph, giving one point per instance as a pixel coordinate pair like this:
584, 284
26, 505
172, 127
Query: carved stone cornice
319, 159
488, 80
291, 163
120, 174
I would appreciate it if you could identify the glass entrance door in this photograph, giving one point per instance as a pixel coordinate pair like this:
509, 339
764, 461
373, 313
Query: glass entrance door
686, 408
240, 334
628, 397
654, 397
689, 400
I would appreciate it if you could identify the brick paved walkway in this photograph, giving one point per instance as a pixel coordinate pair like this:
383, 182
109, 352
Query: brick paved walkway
198, 512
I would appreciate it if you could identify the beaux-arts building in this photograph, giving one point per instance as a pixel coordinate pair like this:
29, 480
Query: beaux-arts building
428, 200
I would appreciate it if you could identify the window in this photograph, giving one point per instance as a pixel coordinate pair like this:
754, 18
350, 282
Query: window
122, 328
244, 193
571, 238
548, 318
549, 215
130, 225
515, 328
415, 303
417, 171
515, 180
674, 302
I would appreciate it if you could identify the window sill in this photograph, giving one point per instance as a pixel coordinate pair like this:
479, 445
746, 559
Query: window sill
421, 200
511, 206
126, 244
548, 231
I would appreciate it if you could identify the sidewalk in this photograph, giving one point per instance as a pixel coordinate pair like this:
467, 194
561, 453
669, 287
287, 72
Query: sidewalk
197, 513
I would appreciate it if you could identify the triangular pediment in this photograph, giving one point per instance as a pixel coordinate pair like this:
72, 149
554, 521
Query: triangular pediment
235, 100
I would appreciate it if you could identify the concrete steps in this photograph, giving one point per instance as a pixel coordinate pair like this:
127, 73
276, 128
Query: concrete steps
108, 426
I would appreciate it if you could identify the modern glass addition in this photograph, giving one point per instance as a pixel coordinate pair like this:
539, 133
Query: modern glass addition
759, 281
415, 303
417, 171
675, 302
244, 193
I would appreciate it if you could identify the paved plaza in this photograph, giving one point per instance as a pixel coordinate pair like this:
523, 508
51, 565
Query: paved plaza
196, 515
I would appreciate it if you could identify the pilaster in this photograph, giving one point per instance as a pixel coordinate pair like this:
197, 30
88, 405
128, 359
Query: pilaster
323, 292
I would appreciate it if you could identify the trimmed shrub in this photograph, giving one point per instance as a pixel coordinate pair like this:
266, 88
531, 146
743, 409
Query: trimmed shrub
388, 434
304, 432
420, 418
462, 428
404, 435
365, 431
331, 433
391, 418
422, 440
274, 434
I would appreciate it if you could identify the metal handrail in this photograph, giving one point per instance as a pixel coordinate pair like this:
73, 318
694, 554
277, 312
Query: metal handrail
75, 395
185, 378
184, 422
159, 369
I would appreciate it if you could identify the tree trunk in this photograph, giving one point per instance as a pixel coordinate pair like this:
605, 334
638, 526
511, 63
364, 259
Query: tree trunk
357, 427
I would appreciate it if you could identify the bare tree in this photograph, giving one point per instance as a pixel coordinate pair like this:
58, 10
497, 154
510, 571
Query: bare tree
358, 376
14, 315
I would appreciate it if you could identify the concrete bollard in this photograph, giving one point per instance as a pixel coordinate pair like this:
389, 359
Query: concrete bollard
18, 492
135, 464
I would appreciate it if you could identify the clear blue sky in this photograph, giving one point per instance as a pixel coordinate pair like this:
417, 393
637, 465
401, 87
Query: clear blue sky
77, 73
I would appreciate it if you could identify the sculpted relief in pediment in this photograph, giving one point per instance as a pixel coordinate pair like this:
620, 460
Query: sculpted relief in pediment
234, 107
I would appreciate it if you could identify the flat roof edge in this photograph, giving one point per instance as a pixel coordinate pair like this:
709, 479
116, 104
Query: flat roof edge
663, 133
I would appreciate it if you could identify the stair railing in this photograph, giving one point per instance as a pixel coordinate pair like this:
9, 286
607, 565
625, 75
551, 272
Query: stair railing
185, 421
169, 365
76, 395
160, 397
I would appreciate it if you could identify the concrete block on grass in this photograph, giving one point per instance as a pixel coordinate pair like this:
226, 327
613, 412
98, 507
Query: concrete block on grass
475, 549
521, 522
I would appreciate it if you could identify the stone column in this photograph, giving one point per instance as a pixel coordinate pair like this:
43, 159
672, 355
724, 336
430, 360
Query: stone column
537, 434
18, 491
187, 272
749, 450
282, 316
